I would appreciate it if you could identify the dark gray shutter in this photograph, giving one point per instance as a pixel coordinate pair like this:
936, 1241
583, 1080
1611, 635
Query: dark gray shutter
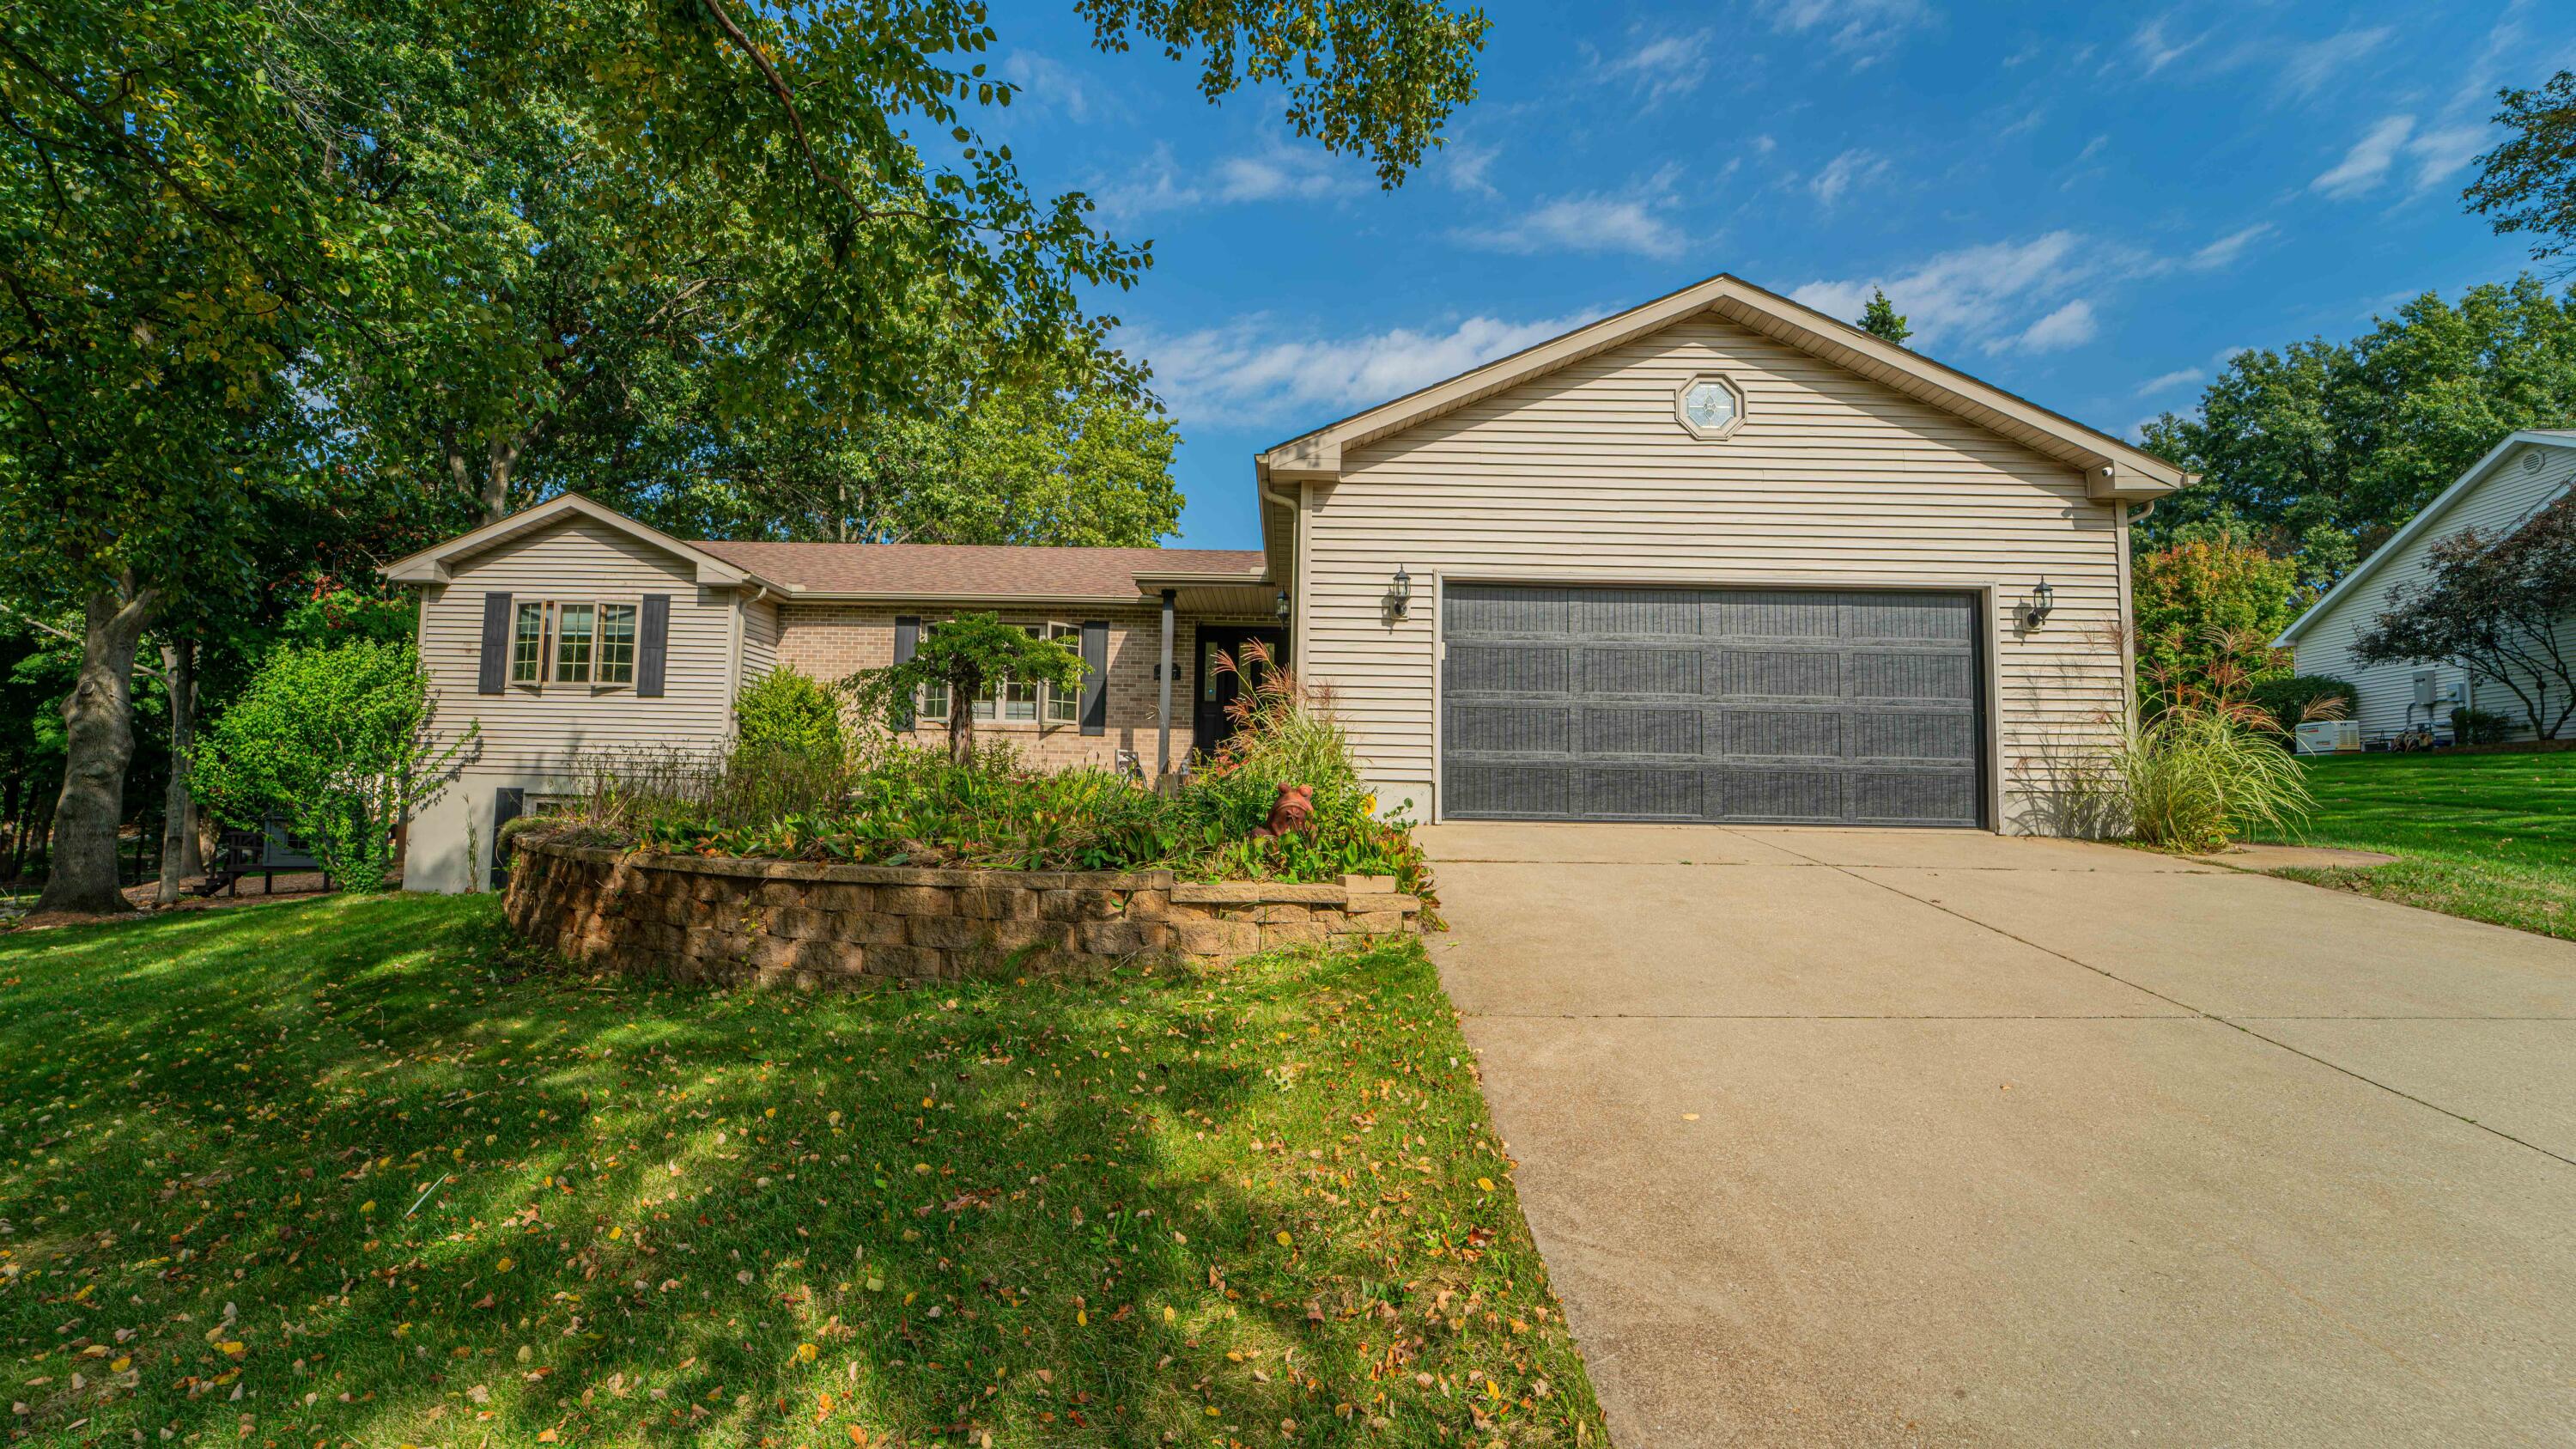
652, 645
496, 644
1095, 677
507, 802
907, 639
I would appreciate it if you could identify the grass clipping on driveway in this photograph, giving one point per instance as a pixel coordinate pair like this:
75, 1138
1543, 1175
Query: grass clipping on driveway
363, 1171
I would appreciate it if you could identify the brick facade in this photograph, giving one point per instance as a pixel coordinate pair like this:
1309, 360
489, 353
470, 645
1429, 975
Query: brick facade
833, 641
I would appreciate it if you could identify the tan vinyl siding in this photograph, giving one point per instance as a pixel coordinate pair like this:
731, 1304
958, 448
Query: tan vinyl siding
2503, 499
759, 638
1585, 475
552, 727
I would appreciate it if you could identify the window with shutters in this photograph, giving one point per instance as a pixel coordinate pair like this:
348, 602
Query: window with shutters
1013, 701
573, 641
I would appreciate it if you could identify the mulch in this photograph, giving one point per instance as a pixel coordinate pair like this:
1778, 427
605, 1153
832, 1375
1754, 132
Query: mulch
291, 885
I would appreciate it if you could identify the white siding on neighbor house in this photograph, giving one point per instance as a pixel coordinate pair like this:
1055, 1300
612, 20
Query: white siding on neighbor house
1585, 475
2509, 494
556, 725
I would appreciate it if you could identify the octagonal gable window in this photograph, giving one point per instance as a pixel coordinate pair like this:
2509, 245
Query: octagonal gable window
1710, 405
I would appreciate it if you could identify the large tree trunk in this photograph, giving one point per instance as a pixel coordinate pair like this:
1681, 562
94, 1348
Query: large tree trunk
98, 743
181, 861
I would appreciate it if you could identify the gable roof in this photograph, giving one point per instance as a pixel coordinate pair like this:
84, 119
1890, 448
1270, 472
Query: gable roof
430, 565
919, 572
945, 571
2114, 470
2443, 502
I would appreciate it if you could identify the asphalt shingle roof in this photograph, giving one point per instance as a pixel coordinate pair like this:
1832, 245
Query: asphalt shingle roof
977, 570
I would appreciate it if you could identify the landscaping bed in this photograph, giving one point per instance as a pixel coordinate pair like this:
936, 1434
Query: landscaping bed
2489, 835
368, 1170
732, 920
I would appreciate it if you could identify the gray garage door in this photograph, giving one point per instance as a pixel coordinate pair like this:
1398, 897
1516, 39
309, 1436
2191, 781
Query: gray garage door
1800, 706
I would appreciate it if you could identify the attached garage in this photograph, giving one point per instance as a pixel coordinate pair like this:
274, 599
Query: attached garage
1801, 706
1717, 558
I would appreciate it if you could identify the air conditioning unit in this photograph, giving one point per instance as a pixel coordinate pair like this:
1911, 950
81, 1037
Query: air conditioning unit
2330, 737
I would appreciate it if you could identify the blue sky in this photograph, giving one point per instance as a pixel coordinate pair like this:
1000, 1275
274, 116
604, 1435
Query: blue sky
2091, 206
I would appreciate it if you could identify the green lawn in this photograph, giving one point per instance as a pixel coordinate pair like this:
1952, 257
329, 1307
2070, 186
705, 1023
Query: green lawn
362, 1172
2491, 836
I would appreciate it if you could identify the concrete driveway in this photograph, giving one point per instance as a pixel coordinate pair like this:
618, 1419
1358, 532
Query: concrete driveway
1877, 1136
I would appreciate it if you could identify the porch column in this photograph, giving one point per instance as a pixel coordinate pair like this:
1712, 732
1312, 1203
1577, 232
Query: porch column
1163, 751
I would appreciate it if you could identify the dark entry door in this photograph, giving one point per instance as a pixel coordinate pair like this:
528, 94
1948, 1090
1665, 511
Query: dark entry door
1210, 721
1785, 705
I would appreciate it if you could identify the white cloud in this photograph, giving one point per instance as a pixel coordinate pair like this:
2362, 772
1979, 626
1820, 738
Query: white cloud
2069, 326
1660, 67
1865, 30
1048, 84
1588, 224
1845, 171
2156, 48
1278, 171
2179, 377
2441, 153
2366, 164
1463, 167
1983, 296
2227, 249
2311, 67
1249, 373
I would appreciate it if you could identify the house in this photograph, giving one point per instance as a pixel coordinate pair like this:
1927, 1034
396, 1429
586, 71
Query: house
2515, 479
1715, 558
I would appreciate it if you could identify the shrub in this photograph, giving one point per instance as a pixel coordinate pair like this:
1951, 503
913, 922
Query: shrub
2198, 774
337, 739
785, 710
2478, 727
2296, 699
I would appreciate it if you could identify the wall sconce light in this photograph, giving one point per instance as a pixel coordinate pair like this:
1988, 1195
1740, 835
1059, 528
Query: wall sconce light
1279, 610
2042, 599
1399, 593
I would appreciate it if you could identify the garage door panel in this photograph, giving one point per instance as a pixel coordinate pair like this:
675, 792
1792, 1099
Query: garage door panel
1911, 676
1646, 703
1815, 734
1509, 729
1639, 792
1640, 730
1630, 669
1784, 797
1779, 674
1914, 797
1511, 668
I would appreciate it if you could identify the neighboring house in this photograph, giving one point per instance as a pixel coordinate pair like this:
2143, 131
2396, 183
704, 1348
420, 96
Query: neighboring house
2517, 478
1719, 557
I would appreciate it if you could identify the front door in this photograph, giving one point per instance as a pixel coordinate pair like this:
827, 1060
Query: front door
1218, 689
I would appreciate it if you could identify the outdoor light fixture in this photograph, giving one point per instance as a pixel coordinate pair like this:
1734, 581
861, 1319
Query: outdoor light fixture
2042, 599
1399, 593
1279, 610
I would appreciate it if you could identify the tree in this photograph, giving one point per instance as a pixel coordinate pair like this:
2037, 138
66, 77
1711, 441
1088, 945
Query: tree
2501, 608
2528, 182
1880, 319
339, 738
2323, 438
960, 656
2210, 586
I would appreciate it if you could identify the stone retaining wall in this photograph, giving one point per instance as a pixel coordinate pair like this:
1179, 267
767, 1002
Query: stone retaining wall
706, 918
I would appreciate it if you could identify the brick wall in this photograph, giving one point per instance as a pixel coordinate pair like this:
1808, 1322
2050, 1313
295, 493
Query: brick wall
774, 922
833, 641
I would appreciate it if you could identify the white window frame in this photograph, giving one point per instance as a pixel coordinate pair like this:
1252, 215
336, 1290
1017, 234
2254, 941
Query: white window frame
548, 665
1002, 699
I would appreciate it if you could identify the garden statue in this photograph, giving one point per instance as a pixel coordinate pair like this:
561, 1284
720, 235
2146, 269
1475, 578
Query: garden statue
1292, 814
